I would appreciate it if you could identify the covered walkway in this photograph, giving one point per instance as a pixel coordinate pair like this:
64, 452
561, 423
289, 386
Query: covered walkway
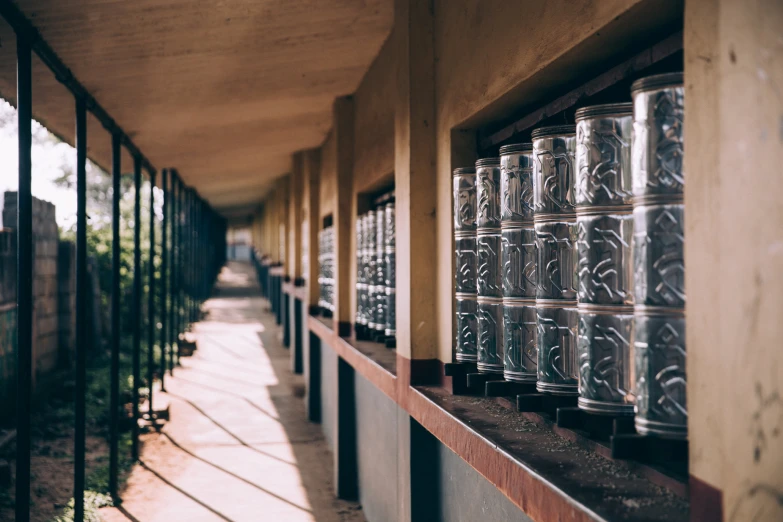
238, 445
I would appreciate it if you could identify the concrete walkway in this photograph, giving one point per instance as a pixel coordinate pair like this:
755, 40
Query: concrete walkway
238, 446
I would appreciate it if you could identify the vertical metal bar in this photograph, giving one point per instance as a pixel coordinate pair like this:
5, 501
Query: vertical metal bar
24, 267
192, 249
114, 398
151, 302
163, 296
172, 273
81, 310
136, 304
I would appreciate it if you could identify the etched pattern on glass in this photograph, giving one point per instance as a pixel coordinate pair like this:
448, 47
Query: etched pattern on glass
658, 255
554, 178
603, 150
489, 284
557, 347
605, 267
490, 332
658, 142
556, 254
466, 260
517, 187
519, 336
604, 357
488, 188
467, 329
661, 384
518, 258
465, 202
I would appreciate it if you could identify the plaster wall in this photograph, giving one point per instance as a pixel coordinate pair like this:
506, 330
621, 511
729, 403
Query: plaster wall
328, 185
376, 440
734, 251
374, 120
329, 394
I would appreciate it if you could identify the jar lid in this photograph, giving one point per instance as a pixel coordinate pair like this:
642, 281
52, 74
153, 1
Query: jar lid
557, 130
608, 109
658, 81
488, 162
464, 170
516, 147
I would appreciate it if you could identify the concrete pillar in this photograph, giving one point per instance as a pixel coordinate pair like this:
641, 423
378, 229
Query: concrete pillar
311, 221
344, 221
294, 224
734, 255
414, 178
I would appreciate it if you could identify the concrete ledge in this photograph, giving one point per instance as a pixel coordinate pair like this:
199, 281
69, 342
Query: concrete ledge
546, 476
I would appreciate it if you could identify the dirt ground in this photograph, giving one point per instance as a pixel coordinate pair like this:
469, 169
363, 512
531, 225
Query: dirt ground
52, 467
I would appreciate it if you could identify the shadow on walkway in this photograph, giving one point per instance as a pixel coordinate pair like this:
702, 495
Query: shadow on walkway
238, 446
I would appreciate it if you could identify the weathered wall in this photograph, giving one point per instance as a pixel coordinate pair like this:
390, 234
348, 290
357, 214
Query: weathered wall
45, 300
329, 394
374, 120
66, 300
466, 496
734, 252
481, 76
327, 188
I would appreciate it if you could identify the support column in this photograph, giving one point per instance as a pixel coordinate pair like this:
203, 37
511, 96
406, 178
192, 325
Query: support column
415, 189
311, 224
295, 310
343, 222
733, 126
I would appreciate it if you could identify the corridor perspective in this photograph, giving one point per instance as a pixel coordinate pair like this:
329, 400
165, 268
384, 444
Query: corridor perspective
238, 445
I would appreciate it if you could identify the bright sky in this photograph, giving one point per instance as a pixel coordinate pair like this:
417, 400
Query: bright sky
47, 160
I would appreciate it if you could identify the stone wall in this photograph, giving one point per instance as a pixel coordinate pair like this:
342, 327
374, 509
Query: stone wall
53, 311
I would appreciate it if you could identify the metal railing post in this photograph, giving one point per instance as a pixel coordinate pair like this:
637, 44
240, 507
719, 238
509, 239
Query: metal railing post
114, 399
80, 389
24, 325
137, 289
151, 303
163, 268
172, 273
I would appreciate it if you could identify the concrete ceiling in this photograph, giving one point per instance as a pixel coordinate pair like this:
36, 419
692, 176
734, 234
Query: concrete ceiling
224, 91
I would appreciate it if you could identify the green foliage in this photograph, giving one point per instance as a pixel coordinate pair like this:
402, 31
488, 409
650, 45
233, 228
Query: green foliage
92, 503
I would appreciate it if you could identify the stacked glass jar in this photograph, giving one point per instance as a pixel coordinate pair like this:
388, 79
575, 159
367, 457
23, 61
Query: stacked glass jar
326, 269
518, 260
658, 210
390, 274
605, 269
555, 223
465, 262
490, 288
361, 280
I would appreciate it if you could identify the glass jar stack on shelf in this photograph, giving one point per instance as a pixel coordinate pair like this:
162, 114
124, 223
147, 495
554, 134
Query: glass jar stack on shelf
489, 286
659, 240
375, 279
326, 270
580, 288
